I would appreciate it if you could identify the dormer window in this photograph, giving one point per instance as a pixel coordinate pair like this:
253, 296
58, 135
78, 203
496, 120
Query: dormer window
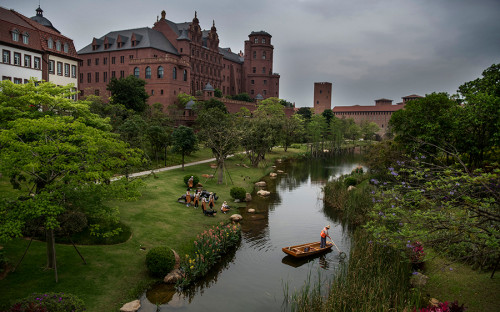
58, 45
50, 43
66, 48
15, 35
26, 38
263, 40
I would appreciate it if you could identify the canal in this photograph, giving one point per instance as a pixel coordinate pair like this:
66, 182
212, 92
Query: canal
257, 275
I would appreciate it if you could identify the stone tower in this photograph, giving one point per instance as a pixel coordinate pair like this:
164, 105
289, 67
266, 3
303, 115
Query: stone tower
322, 96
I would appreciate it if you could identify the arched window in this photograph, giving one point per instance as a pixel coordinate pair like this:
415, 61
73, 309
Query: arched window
50, 43
160, 72
175, 73
185, 75
148, 72
136, 72
58, 45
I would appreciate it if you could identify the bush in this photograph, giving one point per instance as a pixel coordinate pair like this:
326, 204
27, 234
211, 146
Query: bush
238, 193
3, 261
50, 302
350, 181
160, 261
196, 179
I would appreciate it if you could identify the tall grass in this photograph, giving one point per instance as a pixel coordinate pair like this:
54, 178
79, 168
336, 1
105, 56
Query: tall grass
376, 278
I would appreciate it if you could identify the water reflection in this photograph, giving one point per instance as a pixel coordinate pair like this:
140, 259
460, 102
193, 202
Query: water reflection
251, 278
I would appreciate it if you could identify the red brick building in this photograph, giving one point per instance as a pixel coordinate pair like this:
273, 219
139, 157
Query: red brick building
322, 96
380, 113
178, 57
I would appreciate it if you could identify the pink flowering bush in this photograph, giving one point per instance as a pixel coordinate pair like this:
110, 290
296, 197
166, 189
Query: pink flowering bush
443, 307
209, 246
49, 302
416, 251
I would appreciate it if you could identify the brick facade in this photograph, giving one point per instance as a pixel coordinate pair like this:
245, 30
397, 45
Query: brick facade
322, 96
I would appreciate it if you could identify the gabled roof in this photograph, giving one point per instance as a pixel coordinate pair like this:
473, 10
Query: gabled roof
227, 54
149, 38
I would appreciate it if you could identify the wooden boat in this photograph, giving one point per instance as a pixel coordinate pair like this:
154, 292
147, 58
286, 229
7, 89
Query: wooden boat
306, 250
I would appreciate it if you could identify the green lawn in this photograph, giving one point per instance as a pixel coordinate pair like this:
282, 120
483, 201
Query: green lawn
115, 274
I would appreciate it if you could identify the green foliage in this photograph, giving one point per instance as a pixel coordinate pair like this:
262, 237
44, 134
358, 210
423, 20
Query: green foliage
348, 181
238, 193
369, 130
305, 112
293, 131
328, 114
243, 97
489, 83
3, 260
211, 104
218, 93
286, 103
130, 92
196, 179
160, 261
184, 141
49, 302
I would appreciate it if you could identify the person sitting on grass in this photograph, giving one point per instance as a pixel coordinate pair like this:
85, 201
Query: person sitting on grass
224, 208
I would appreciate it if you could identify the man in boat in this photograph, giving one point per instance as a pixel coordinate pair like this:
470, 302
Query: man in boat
324, 235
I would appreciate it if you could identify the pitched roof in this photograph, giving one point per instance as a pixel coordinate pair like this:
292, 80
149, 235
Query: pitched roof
370, 108
227, 54
149, 38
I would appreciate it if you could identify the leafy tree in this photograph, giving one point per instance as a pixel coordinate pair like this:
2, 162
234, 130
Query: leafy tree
286, 103
243, 97
212, 103
159, 130
316, 129
489, 83
218, 93
351, 130
217, 131
368, 129
328, 114
130, 92
184, 141
51, 149
293, 130
117, 113
306, 113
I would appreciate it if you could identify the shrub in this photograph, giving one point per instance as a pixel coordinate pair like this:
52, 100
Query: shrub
196, 179
350, 181
3, 261
50, 302
160, 261
238, 193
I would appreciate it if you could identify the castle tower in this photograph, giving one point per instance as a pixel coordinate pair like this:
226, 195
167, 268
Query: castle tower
322, 96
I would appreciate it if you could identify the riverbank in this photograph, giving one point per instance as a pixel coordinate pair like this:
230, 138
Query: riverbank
115, 274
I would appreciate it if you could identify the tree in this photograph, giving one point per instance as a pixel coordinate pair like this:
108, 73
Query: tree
368, 129
328, 114
212, 103
218, 93
316, 128
306, 113
184, 141
489, 83
243, 97
286, 103
217, 131
293, 130
51, 149
130, 92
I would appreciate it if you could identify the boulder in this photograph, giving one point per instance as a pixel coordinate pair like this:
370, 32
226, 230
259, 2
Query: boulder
172, 277
248, 197
418, 279
280, 171
260, 184
351, 187
273, 174
251, 210
236, 218
263, 193
132, 306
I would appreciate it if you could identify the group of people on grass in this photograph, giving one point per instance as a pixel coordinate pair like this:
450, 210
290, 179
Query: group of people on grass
195, 199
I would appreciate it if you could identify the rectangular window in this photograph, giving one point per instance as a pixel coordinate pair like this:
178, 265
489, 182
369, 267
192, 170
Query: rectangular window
26, 39
51, 67
6, 57
17, 59
105, 76
105, 60
27, 60
265, 92
96, 77
122, 73
263, 40
15, 36
26, 81
264, 55
66, 69
36, 62
130, 56
59, 68
81, 63
263, 70
122, 59
256, 40
97, 61
81, 77
6, 78
89, 78
252, 81
113, 74
113, 60
89, 62
73, 71
18, 81
252, 91
254, 70
265, 82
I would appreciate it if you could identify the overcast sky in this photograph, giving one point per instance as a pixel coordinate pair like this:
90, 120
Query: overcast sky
368, 49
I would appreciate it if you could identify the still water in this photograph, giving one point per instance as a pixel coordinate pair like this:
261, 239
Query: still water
254, 276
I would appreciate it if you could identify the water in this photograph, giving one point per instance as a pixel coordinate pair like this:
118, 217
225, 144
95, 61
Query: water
255, 276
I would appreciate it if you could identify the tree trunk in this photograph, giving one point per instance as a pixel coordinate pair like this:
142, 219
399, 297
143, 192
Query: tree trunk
221, 171
51, 250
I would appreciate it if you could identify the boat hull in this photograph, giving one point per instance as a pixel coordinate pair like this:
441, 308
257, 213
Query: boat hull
306, 250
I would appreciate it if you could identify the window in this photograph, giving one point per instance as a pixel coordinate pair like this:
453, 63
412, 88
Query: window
15, 36
89, 78
73, 71
66, 48
122, 73
254, 70
96, 92
96, 61
136, 72
36, 62
161, 91
6, 56
89, 62
59, 68
175, 73
256, 40
264, 55
263, 40
265, 92
113, 59
58, 45
105, 76
96, 77
152, 92
148, 72
122, 59
26, 38
185, 75
254, 54
18, 81
6, 78
66, 69
81, 77
265, 82
105, 60
113, 74
51, 67
252, 91
160, 72
50, 43
130, 56
17, 59
252, 81
263, 70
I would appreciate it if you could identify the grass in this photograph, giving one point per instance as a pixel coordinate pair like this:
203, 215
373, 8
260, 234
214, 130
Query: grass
116, 274
456, 281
